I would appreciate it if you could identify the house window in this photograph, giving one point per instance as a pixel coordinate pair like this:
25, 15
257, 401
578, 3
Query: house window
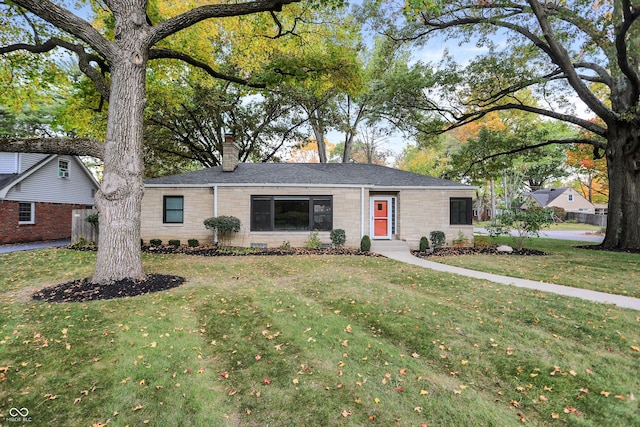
63, 169
173, 212
291, 213
26, 213
460, 211
570, 197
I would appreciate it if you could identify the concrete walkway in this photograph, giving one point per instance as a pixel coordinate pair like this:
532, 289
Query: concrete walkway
400, 251
33, 245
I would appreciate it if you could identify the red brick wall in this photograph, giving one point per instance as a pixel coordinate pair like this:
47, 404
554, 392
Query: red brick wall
52, 222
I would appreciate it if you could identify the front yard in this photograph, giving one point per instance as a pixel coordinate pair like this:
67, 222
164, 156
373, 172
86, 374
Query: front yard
310, 340
611, 272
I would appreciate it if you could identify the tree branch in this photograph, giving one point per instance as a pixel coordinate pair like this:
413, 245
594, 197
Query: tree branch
171, 54
470, 117
559, 55
84, 59
64, 146
631, 14
597, 145
70, 23
198, 14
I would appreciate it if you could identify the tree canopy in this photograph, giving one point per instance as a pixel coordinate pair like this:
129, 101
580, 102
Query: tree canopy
114, 54
541, 58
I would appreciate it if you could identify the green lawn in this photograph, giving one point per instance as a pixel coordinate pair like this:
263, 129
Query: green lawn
611, 272
314, 341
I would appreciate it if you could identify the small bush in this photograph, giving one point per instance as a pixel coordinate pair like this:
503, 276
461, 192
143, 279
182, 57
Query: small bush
338, 237
174, 242
193, 243
461, 240
481, 242
92, 219
424, 244
314, 241
285, 245
224, 226
437, 239
365, 243
155, 242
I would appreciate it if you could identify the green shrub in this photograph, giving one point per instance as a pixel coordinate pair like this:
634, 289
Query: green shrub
424, 244
155, 242
314, 241
338, 237
174, 242
461, 240
285, 245
437, 239
526, 223
365, 243
224, 226
92, 219
481, 242
193, 243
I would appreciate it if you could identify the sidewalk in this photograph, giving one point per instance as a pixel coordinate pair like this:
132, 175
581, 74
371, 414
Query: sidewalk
33, 245
402, 253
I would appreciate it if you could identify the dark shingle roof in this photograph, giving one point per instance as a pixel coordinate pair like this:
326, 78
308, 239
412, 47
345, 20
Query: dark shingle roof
544, 196
7, 178
305, 173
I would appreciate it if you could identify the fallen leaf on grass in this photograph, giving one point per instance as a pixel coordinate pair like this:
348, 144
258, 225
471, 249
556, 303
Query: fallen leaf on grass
571, 409
605, 393
137, 408
346, 413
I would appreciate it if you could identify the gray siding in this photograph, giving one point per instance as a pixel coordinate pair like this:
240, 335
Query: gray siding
29, 159
8, 163
45, 186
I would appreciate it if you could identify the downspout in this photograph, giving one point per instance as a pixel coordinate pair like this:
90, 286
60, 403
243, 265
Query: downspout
362, 220
215, 211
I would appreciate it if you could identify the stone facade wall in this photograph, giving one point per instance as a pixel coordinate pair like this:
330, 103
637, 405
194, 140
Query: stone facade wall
52, 222
198, 206
420, 211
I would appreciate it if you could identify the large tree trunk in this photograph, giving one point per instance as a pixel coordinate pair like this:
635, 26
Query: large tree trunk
120, 197
623, 222
318, 130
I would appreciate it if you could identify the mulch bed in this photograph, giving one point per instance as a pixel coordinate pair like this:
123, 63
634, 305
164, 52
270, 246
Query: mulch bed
602, 248
452, 251
217, 251
83, 290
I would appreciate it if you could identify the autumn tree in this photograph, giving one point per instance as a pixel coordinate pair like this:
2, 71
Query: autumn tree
116, 59
591, 180
556, 50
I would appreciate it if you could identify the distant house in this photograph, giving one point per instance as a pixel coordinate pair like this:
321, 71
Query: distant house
564, 197
38, 193
280, 203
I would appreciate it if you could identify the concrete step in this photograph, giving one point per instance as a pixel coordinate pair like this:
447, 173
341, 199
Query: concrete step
389, 245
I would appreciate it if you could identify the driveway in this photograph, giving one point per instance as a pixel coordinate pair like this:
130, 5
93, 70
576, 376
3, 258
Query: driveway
32, 245
578, 235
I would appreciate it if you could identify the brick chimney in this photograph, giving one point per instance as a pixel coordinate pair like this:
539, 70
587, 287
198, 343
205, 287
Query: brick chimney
230, 153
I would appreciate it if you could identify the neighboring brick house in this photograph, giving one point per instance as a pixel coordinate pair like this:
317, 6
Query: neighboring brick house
38, 193
566, 198
284, 202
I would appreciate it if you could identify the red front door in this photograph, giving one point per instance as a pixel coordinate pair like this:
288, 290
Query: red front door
381, 218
